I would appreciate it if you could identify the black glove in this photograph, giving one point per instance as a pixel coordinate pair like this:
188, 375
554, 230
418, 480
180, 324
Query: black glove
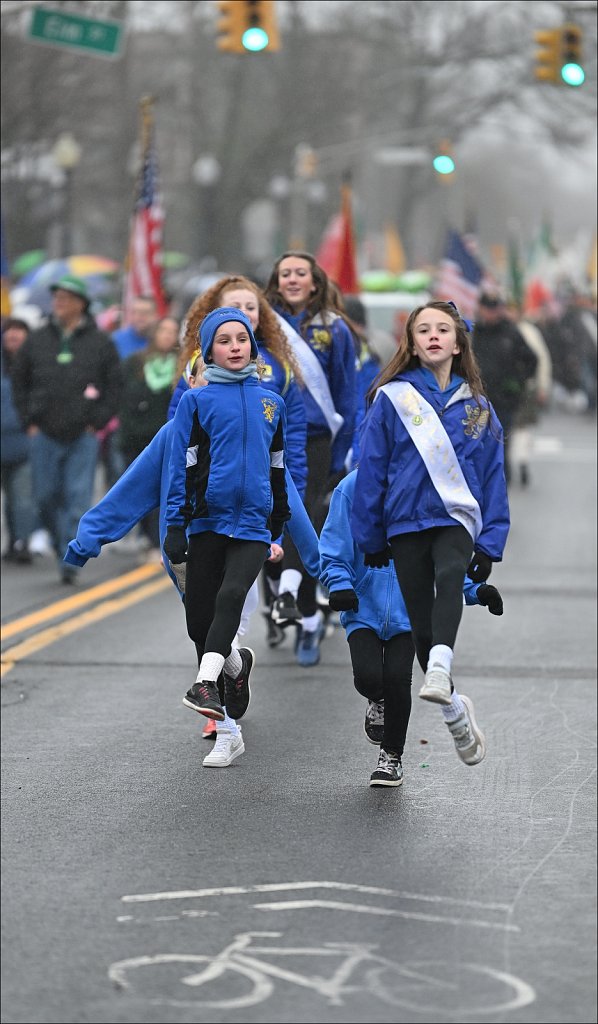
276, 528
480, 567
379, 559
490, 598
175, 544
343, 600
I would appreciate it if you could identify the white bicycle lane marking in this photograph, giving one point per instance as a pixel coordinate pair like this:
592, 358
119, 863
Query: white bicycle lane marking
468, 919
453, 992
420, 986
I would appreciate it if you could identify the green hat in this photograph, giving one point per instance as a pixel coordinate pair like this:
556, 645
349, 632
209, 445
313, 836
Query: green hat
71, 284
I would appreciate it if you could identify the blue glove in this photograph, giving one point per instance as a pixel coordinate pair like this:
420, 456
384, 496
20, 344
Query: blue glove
480, 567
379, 559
175, 544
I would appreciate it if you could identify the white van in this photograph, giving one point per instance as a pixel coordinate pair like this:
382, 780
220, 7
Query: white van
387, 314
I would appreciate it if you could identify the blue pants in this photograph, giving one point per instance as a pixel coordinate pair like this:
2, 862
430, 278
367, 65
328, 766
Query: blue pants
63, 482
18, 507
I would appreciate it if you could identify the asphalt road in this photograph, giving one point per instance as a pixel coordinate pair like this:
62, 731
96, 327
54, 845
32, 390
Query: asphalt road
139, 886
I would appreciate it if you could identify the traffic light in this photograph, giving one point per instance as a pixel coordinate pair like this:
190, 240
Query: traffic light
571, 68
548, 59
443, 162
247, 26
559, 60
230, 26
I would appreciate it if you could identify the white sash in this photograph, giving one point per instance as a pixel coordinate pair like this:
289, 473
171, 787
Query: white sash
313, 376
434, 445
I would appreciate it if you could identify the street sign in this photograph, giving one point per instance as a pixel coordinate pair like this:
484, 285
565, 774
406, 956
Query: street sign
55, 28
397, 156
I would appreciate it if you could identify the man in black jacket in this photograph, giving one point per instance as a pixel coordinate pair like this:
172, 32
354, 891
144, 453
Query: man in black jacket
66, 386
505, 361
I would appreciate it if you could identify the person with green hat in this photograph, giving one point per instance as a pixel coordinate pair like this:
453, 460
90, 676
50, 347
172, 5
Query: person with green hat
66, 384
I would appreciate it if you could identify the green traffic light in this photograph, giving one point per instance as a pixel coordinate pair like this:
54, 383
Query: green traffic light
572, 74
255, 39
443, 164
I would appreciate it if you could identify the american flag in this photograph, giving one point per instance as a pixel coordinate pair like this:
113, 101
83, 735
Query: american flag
143, 274
460, 275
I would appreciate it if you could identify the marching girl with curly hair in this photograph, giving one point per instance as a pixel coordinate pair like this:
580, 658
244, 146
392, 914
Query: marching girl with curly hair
279, 371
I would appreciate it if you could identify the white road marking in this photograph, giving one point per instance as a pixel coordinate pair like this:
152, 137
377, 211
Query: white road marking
238, 890
358, 908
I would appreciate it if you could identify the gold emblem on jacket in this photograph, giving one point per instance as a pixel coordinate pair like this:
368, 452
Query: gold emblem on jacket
269, 409
320, 339
476, 420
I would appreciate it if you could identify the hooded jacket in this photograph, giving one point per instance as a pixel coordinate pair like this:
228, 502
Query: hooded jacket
144, 487
227, 461
394, 493
279, 379
381, 605
332, 343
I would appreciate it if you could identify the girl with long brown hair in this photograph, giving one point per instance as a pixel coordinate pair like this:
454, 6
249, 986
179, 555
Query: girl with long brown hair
431, 494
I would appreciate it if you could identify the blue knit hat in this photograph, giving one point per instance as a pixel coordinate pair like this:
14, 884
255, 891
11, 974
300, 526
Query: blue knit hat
223, 315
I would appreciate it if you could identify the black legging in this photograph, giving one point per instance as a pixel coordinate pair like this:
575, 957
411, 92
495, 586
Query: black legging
430, 567
382, 670
220, 572
319, 450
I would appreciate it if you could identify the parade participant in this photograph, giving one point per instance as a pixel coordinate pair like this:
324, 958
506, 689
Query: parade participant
279, 372
300, 291
374, 617
227, 485
431, 491
144, 487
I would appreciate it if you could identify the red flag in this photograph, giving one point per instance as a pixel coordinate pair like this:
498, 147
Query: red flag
144, 259
336, 254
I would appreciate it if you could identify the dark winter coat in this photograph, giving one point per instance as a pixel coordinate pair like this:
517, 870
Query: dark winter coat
65, 399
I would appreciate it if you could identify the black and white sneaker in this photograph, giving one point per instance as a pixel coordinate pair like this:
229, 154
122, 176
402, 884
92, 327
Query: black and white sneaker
237, 693
285, 610
274, 633
203, 697
389, 771
373, 726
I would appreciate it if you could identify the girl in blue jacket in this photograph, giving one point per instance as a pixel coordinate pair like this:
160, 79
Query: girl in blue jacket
227, 486
279, 370
378, 630
300, 291
431, 491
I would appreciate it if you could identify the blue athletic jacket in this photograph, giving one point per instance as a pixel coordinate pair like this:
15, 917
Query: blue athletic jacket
227, 462
394, 493
381, 605
143, 487
280, 379
333, 345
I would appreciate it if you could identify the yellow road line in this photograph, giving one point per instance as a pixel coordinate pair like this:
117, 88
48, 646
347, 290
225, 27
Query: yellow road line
69, 604
102, 611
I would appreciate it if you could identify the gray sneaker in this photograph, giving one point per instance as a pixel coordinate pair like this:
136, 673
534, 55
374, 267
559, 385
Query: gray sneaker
373, 726
389, 771
470, 742
437, 685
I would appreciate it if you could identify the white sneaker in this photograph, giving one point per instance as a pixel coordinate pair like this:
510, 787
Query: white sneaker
437, 685
40, 543
470, 742
226, 748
